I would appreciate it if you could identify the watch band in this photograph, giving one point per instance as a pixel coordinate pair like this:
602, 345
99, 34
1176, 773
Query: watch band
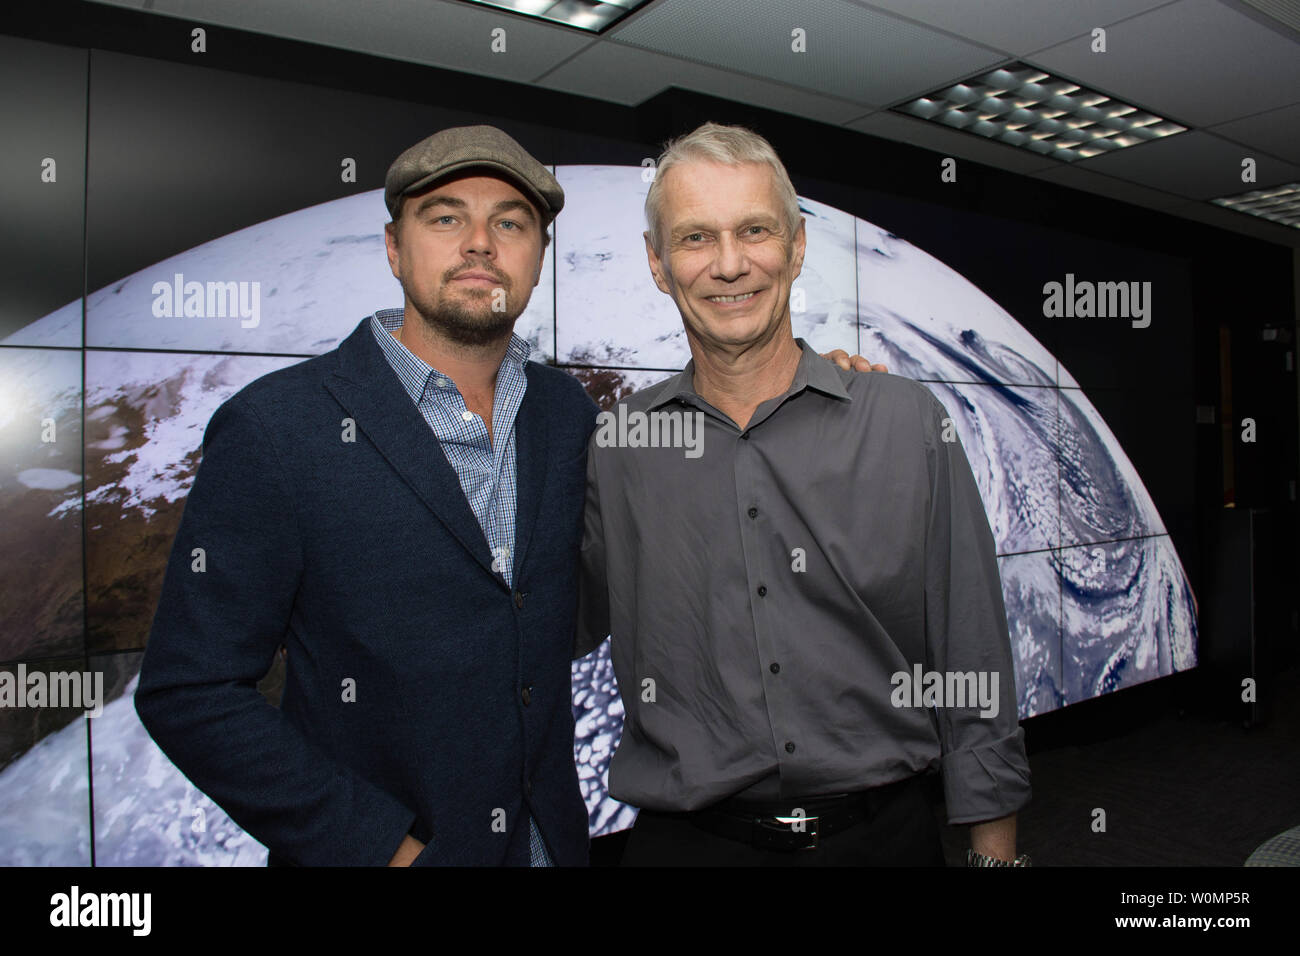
979, 859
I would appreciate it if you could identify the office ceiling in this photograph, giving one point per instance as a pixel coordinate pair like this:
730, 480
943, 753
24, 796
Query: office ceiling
1227, 69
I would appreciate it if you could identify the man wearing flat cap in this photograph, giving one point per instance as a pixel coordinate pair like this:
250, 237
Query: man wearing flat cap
403, 515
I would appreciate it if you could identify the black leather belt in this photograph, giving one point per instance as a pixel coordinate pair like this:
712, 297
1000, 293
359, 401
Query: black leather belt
795, 824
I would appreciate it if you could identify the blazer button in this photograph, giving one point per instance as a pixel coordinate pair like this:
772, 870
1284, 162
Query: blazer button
519, 599
527, 695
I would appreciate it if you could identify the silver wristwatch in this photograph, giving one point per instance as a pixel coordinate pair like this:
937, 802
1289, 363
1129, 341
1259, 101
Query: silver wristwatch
979, 859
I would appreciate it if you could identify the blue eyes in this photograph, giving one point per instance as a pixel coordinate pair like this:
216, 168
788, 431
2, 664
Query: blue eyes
449, 220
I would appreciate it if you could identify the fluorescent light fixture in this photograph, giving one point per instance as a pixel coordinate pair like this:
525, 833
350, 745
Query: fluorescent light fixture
1023, 106
1276, 204
591, 15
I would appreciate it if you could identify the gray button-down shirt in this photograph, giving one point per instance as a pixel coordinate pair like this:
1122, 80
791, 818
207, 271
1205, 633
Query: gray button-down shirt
766, 588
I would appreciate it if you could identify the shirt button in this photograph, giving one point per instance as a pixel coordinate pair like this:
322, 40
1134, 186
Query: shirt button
762, 590
467, 415
745, 435
442, 383
789, 746
753, 512
774, 667
519, 599
527, 695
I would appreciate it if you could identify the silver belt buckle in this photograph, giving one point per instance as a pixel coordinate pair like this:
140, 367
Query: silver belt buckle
810, 824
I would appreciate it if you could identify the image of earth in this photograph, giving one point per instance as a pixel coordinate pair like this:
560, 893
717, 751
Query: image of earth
1096, 596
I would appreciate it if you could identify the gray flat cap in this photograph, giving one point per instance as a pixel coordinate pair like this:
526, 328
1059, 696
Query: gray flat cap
463, 147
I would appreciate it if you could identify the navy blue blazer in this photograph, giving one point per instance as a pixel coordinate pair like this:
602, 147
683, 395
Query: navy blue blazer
422, 693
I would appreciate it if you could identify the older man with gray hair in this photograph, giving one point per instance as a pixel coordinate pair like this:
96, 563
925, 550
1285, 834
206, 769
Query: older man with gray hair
765, 593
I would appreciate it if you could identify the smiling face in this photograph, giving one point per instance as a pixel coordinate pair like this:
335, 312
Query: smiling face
468, 252
728, 257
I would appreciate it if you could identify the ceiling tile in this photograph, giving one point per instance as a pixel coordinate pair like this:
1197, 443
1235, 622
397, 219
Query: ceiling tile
1196, 165
1074, 177
1196, 62
627, 75
857, 54
1276, 132
455, 36
1017, 27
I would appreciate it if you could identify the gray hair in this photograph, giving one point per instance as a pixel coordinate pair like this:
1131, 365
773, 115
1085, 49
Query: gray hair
729, 145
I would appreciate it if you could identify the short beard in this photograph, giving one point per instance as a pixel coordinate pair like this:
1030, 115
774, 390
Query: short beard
468, 327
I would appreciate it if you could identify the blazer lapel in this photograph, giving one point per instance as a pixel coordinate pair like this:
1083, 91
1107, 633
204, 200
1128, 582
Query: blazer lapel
532, 430
369, 390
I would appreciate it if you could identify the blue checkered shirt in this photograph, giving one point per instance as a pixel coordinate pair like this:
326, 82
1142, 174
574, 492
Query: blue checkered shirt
486, 472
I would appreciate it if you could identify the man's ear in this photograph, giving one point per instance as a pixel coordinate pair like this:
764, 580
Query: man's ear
800, 246
390, 245
541, 262
656, 265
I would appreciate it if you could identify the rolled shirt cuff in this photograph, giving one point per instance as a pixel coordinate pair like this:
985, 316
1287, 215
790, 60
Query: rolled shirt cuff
988, 782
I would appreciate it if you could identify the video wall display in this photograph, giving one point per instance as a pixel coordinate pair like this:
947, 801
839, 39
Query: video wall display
1096, 596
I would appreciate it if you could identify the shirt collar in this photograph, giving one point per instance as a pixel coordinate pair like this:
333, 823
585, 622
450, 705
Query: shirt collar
812, 372
417, 373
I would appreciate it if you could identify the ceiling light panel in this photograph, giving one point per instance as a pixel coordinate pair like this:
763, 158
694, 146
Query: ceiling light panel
1278, 204
591, 15
1022, 106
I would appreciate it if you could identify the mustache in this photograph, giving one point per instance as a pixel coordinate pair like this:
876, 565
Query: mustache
456, 273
